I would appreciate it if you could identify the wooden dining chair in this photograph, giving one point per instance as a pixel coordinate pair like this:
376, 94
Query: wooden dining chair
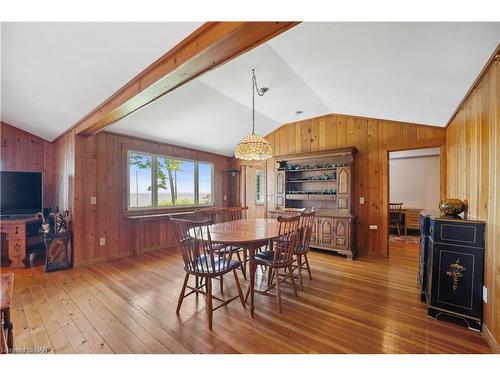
235, 213
305, 226
202, 261
219, 215
395, 216
281, 256
215, 214
232, 214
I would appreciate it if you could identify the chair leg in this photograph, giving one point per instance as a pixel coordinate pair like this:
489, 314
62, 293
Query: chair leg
270, 276
197, 284
299, 268
183, 291
247, 294
278, 290
292, 280
243, 266
244, 269
240, 293
308, 267
399, 229
209, 302
221, 280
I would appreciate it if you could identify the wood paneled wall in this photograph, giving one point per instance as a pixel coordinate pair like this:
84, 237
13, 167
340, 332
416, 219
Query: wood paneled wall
473, 174
373, 138
23, 151
101, 172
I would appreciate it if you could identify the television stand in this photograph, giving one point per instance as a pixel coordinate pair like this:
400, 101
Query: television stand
17, 234
16, 216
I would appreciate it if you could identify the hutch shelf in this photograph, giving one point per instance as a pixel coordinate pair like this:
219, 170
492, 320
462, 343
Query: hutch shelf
323, 182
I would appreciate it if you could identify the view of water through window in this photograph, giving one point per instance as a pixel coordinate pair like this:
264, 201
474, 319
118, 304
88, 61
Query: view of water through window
175, 181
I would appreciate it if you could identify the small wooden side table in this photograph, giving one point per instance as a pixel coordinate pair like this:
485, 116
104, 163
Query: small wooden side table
6, 337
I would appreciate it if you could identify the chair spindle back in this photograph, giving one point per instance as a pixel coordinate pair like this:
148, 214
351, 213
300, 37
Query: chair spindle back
215, 215
195, 245
306, 225
286, 242
235, 213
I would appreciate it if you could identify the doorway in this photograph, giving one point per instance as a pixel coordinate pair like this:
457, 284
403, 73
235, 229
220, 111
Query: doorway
414, 185
253, 192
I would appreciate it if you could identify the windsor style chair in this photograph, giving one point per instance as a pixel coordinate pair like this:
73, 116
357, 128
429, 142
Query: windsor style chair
203, 261
305, 225
281, 257
235, 213
221, 215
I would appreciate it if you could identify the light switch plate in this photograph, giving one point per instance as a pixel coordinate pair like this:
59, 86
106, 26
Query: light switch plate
485, 294
373, 227
93, 200
102, 241
361, 200
225, 197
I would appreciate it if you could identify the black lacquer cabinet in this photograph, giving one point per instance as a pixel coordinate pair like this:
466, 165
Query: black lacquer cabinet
451, 268
424, 253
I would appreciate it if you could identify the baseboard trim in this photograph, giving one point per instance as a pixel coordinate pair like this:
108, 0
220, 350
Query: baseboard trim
89, 262
495, 348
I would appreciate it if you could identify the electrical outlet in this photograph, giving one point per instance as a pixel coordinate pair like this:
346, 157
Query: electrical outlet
93, 200
361, 200
225, 197
102, 241
373, 227
485, 294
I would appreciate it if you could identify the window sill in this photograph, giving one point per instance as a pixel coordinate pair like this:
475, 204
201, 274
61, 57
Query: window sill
164, 210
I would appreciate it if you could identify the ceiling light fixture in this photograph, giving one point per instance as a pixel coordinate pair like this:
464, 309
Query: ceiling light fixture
253, 146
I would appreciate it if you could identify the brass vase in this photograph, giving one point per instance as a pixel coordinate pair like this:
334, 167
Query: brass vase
451, 207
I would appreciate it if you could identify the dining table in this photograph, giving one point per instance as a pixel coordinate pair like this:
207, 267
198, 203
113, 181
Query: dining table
249, 234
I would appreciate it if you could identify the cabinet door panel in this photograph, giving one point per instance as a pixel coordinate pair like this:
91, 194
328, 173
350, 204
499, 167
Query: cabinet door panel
280, 182
314, 232
326, 231
341, 233
280, 201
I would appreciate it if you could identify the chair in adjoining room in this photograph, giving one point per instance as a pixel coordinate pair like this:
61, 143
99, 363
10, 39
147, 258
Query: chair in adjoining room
203, 261
280, 257
395, 216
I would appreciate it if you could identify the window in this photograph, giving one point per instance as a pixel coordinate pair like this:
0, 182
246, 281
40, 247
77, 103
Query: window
176, 182
140, 177
204, 183
259, 187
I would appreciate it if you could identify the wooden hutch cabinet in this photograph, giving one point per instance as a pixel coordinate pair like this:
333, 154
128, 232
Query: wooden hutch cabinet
323, 182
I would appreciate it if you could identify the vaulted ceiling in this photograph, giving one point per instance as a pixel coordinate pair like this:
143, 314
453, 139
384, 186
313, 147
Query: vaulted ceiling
53, 74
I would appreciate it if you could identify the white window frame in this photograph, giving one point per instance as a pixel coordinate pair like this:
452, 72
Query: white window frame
154, 182
262, 185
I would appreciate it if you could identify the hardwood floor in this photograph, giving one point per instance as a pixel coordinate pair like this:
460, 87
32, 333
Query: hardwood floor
369, 305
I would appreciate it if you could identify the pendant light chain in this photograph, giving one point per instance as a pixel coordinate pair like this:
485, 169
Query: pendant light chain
253, 146
259, 92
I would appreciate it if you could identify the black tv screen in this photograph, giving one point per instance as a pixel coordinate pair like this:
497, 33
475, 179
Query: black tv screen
21, 193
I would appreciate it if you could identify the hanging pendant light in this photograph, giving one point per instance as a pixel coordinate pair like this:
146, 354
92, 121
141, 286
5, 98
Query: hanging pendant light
253, 146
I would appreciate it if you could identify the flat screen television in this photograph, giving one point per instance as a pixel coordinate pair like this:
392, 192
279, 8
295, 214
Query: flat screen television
21, 193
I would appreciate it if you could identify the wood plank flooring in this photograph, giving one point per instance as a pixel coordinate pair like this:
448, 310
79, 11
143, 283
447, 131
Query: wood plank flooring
369, 305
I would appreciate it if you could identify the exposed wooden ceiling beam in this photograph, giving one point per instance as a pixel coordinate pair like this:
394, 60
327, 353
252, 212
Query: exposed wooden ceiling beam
210, 46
